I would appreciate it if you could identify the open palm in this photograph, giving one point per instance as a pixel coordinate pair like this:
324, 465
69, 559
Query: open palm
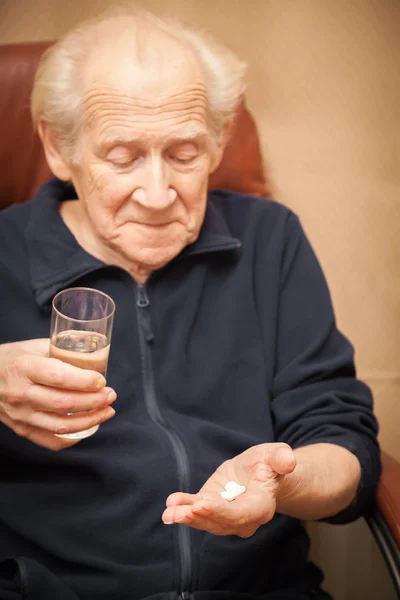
260, 469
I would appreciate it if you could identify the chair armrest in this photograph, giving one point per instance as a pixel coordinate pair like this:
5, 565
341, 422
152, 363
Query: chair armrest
384, 521
388, 495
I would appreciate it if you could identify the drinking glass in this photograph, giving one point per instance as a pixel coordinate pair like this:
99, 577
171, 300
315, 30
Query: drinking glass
80, 334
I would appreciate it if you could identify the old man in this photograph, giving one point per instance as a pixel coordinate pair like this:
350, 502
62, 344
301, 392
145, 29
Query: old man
226, 364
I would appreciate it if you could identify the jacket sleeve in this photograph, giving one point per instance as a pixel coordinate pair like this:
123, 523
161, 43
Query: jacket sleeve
316, 395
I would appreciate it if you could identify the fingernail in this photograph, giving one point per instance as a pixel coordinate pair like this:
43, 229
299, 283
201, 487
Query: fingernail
110, 412
168, 522
111, 396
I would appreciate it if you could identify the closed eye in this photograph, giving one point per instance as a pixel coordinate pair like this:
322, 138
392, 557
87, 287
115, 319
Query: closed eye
123, 164
183, 160
122, 157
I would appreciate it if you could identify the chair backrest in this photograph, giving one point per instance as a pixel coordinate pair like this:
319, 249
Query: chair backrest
23, 167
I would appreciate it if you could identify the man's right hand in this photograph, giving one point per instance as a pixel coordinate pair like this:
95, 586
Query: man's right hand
37, 392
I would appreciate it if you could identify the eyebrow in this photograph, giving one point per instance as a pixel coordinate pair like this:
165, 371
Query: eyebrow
188, 135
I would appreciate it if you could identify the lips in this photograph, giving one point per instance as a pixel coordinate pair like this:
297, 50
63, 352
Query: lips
155, 224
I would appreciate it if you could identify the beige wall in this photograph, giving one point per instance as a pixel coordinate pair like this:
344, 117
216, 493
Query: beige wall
324, 86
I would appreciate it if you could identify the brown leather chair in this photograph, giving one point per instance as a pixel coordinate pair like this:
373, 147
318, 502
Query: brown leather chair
23, 169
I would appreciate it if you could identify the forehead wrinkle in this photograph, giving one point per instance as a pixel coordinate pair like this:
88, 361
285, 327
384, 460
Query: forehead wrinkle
138, 120
163, 114
123, 109
116, 97
125, 117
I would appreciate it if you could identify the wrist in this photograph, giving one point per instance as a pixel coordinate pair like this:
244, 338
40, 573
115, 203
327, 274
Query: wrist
323, 483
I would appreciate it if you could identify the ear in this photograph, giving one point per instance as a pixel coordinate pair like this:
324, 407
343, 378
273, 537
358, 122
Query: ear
221, 146
54, 159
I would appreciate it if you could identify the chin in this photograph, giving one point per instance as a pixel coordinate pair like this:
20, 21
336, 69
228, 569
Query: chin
153, 259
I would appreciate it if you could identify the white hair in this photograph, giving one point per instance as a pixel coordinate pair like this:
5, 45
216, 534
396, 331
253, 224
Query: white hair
58, 86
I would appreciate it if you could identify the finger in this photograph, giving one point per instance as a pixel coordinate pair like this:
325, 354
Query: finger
49, 399
237, 512
40, 437
211, 508
203, 508
281, 459
177, 514
56, 373
61, 425
185, 516
180, 498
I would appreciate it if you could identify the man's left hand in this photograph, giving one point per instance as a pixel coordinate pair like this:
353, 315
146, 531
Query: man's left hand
261, 469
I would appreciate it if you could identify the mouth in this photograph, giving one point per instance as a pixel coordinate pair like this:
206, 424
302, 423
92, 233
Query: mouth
155, 225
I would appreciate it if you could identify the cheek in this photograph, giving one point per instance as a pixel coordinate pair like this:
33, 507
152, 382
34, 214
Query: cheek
99, 180
105, 192
95, 179
192, 188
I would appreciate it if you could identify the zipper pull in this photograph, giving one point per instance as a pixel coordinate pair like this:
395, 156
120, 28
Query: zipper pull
185, 596
142, 298
143, 303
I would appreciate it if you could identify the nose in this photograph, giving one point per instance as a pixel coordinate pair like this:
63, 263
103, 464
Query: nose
154, 190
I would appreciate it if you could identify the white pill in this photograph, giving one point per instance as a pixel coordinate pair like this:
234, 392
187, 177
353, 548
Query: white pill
232, 491
228, 495
231, 486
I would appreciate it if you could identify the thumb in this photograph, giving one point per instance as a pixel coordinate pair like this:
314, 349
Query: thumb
281, 459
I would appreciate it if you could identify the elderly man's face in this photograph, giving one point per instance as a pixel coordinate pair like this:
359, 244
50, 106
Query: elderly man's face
144, 157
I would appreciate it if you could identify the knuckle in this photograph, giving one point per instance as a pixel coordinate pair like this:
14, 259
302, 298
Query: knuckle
64, 403
15, 399
61, 428
56, 376
101, 400
28, 394
99, 404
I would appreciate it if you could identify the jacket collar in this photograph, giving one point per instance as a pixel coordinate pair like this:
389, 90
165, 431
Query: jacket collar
56, 260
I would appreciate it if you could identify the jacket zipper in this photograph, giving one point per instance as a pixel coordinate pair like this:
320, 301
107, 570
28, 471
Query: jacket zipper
146, 339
